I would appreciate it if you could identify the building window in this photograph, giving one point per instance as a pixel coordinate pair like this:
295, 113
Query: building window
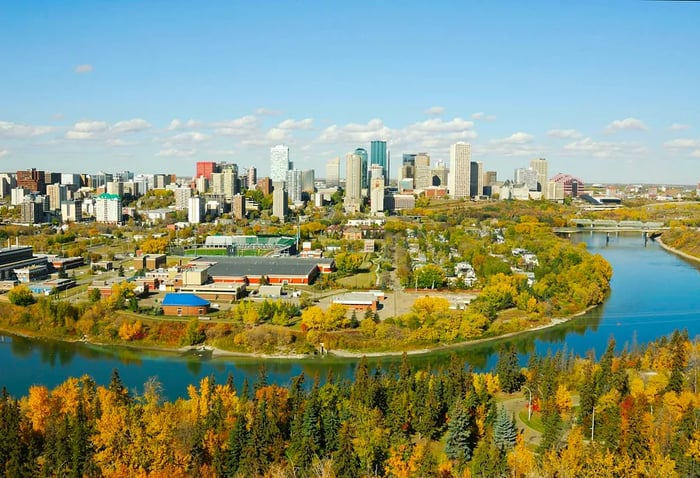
179, 311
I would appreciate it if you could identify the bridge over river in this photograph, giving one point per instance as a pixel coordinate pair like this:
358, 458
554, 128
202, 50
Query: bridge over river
609, 225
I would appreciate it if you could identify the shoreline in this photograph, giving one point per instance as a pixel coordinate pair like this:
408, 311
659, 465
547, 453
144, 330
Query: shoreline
678, 252
337, 353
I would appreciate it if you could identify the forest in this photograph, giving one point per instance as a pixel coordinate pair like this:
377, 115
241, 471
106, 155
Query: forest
628, 413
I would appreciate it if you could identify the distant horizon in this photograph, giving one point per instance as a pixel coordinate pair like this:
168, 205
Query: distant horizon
601, 90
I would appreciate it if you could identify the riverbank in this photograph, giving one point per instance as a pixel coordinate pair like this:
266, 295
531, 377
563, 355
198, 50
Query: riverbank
678, 252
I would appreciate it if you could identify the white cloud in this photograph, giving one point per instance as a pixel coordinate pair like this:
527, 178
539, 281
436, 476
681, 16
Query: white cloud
267, 112
72, 134
682, 144
515, 138
479, 116
176, 124
16, 130
355, 132
678, 127
85, 68
131, 126
626, 124
176, 153
222, 152
3, 153
237, 127
277, 134
696, 153
605, 149
564, 133
90, 126
291, 124
188, 137
434, 111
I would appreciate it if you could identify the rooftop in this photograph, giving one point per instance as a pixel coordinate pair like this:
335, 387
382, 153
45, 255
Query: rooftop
239, 266
187, 300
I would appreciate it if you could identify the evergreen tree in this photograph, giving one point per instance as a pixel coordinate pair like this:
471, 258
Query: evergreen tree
489, 460
346, 464
461, 432
552, 423
508, 370
504, 430
236, 444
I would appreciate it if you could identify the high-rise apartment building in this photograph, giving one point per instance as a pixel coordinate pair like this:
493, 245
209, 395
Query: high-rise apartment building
490, 178
264, 185
195, 209
182, 197
333, 172
201, 184
279, 163
540, 165
353, 183
376, 194
308, 178
57, 193
229, 175
380, 155
115, 188
72, 211
238, 206
108, 208
458, 179
476, 179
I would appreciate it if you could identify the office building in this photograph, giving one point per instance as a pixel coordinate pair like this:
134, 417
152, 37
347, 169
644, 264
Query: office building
51, 178
280, 200
279, 163
160, 181
32, 210
423, 174
308, 178
541, 167
353, 183
115, 188
201, 184
7, 182
458, 179
31, 179
293, 185
476, 179
526, 176
573, 186
99, 180
123, 176
333, 172
440, 174
72, 211
555, 191
380, 155
364, 161
205, 169
490, 178
252, 177
407, 171
195, 209
108, 208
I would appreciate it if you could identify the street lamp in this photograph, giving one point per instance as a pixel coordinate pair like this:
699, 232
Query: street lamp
529, 403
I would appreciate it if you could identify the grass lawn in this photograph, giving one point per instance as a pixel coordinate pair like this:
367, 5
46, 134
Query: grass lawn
535, 423
361, 280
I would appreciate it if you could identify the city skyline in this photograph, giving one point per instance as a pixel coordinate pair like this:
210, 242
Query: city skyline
605, 92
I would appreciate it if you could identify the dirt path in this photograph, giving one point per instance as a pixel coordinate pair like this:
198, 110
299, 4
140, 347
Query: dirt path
515, 406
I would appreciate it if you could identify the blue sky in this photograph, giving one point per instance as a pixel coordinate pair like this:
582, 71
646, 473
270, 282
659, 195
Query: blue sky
604, 90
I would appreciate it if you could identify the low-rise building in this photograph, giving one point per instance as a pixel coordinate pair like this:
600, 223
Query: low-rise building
179, 304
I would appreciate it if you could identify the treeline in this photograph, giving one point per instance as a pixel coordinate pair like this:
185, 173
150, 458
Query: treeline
634, 413
684, 239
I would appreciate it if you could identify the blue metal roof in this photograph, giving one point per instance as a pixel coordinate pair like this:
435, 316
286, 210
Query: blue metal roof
184, 300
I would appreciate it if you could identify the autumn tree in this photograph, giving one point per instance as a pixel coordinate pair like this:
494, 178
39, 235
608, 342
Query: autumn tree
21, 295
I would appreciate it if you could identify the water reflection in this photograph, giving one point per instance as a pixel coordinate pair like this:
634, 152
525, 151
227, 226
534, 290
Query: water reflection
653, 293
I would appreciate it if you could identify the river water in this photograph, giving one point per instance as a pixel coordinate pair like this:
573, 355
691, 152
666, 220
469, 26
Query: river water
653, 293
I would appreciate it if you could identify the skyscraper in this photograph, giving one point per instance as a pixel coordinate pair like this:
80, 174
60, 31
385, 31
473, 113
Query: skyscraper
540, 165
332, 172
458, 180
353, 183
527, 176
195, 209
423, 173
376, 194
362, 153
205, 168
294, 186
279, 201
380, 156
476, 179
279, 163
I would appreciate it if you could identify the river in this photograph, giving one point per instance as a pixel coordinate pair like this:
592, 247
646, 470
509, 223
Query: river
653, 293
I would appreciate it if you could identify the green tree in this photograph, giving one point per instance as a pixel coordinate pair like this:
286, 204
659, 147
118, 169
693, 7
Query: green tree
21, 295
461, 432
508, 369
430, 276
504, 430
